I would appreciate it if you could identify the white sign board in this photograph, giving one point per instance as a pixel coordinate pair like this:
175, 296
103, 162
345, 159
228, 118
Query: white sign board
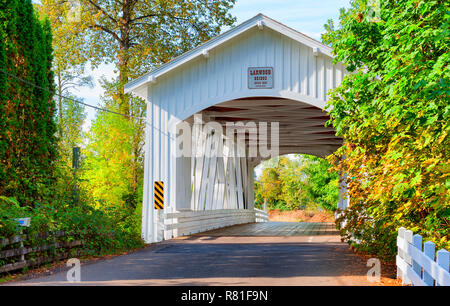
260, 77
24, 221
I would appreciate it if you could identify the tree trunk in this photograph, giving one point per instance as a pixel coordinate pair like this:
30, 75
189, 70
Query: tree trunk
124, 57
125, 99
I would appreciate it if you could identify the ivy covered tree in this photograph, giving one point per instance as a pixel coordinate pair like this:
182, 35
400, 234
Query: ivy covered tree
393, 111
27, 150
3, 144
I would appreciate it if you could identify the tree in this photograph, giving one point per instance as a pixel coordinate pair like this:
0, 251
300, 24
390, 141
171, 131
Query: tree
28, 160
393, 112
71, 120
105, 173
139, 35
66, 80
3, 126
73, 117
322, 183
298, 181
28, 144
270, 185
69, 68
135, 36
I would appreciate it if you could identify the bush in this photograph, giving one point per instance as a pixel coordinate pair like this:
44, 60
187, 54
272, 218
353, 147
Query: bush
393, 112
100, 233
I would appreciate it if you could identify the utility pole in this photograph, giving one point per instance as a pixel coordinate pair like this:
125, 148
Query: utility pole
75, 166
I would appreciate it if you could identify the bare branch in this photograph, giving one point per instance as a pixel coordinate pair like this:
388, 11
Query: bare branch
143, 17
107, 31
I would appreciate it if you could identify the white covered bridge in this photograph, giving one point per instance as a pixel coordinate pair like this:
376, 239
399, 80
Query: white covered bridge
217, 111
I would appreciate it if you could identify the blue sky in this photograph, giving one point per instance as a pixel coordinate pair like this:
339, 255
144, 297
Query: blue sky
306, 16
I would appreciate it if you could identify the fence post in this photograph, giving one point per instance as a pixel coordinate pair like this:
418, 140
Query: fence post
417, 242
409, 239
408, 236
22, 256
401, 234
428, 249
442, 258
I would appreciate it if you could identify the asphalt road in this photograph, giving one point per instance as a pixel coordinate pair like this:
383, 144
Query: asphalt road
212, 259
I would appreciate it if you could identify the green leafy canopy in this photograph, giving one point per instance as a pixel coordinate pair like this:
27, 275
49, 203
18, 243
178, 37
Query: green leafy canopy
393, 111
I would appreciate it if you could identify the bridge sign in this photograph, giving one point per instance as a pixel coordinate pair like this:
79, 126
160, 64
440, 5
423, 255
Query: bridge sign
260, 78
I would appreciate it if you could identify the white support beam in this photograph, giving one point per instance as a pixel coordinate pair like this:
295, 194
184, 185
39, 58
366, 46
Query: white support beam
211, 174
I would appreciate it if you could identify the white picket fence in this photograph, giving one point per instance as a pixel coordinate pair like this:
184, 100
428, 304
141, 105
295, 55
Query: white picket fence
416, 265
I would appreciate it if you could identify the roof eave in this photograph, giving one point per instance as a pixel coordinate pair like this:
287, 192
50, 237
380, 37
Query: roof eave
151, 76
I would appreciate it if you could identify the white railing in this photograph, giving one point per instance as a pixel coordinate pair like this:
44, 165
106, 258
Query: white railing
190, 222
261, 215
416, 265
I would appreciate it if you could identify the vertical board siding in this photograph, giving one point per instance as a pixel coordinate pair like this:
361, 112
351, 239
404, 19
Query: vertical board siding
295, 67
224, 72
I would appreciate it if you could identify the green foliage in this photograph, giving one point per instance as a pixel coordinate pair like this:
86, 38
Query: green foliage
393, 111
135, 36
73, 116
27, 130
3, 143
35, 181
106, 174
322, 184
100, 233
304, 181
270, 186
9, 210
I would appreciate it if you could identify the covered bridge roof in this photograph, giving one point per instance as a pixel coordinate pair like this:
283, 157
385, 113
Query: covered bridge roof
259, 21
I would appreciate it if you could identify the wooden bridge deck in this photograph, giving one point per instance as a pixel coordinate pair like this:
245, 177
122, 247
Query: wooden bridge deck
275, 229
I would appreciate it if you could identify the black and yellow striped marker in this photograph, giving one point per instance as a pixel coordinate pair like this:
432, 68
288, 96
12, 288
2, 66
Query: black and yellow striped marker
159, 195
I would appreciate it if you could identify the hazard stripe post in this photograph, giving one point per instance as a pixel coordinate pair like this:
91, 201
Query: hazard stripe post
159, 195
